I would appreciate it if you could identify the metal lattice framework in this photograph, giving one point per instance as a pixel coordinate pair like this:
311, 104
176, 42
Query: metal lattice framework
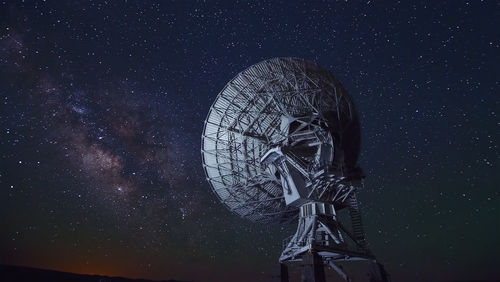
244, 123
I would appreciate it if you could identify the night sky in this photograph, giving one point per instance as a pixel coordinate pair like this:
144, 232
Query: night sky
102, 109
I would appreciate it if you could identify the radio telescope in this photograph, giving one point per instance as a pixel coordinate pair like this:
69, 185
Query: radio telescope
281, 142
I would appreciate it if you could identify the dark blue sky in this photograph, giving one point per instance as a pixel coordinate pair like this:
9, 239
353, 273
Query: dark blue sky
102, 108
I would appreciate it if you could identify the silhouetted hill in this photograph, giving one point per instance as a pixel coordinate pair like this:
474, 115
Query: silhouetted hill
469, 281
20, 273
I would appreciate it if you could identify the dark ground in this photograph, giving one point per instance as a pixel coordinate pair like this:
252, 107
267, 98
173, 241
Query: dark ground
20, 273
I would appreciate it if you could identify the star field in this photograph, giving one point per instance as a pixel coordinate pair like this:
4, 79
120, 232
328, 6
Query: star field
102, 107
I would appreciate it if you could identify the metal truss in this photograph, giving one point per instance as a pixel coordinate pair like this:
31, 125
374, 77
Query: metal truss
320, 231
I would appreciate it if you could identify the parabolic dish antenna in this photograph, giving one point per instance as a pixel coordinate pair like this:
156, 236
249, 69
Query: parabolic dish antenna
281, 141
245, 121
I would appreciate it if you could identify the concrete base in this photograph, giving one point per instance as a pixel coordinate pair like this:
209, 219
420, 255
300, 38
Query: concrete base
283, 272
312, 268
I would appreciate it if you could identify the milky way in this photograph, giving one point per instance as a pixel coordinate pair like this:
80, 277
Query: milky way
114, 140
102, 108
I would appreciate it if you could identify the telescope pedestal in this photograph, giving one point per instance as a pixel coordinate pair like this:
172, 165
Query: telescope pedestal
320, 239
